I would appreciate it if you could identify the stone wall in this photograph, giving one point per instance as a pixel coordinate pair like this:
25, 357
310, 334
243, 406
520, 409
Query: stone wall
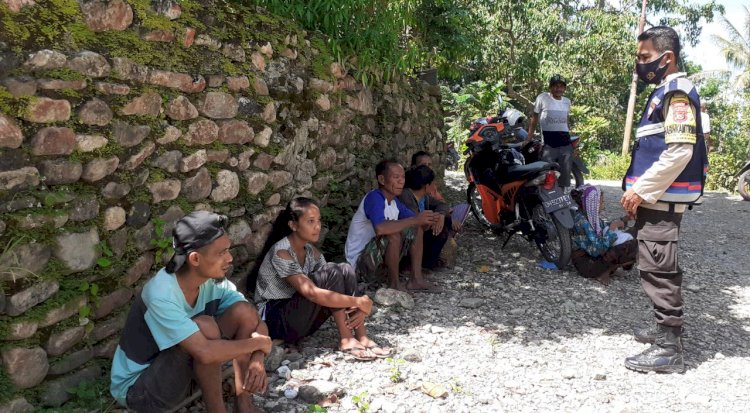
119, 116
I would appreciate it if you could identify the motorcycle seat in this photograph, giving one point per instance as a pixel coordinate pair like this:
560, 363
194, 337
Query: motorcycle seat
518, 172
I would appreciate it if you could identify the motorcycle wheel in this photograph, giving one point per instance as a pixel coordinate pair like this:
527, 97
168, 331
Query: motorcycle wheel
474, 199
556, 248
578, 176
743, 186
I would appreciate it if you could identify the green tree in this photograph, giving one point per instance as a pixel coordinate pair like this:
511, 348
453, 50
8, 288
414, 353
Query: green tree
735, 47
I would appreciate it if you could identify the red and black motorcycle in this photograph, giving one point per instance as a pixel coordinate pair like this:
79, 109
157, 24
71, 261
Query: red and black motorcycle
510, 195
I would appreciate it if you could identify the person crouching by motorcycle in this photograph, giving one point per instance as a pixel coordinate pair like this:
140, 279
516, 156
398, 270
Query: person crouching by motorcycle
551, 111
419, 182
602, 247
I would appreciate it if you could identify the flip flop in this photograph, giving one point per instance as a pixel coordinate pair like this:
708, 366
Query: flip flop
387, 351
352, 351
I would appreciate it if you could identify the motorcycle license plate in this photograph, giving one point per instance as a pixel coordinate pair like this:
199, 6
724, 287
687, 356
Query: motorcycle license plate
555, 200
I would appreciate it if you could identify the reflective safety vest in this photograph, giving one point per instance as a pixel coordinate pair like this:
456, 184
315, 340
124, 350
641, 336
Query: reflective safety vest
649, 145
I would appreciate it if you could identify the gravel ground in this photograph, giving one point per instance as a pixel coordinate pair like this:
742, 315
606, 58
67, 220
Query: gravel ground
508, 336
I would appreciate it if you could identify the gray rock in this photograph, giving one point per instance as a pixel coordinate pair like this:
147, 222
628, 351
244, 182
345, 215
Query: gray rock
129, 135
26, 177
23, 300
59, 343
389, 297
137, 159
63, 312
166, 190
55, 391
219, 105
46, 59
25, 260
143, 237
95, 112
256, 182
90, 64
21, 330
227, 186
274, 359
114, 218
318, 390
61, 171
471, 302
139, 214
115, 190
99, 168
168, 161
18, 204
411, 356
180, 108
84, 209
193, 161
141, 267
111, 302
90, 143
107, 328
106, 349
198, 186
26, 367
78, 250
118, 242
70, 362
19, 405
240, 232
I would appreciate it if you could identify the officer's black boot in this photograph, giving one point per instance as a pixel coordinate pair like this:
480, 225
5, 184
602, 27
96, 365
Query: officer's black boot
665, 355
649, 334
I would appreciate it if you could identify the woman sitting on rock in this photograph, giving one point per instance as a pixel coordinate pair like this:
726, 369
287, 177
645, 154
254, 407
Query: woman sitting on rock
296, 290
602, 247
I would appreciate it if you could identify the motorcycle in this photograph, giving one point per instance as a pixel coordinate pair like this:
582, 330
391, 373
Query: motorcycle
511, 196
743, 185
515, 120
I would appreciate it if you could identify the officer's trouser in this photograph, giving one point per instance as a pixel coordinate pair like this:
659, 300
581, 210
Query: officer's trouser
661, 276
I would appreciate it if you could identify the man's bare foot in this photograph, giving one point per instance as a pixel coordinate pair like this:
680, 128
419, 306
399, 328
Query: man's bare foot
400, 287
244, 404
422, 286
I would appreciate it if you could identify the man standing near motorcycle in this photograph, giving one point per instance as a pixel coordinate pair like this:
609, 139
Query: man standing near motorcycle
551, 110
666, 174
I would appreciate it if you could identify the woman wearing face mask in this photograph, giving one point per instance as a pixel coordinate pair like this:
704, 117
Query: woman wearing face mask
296, 290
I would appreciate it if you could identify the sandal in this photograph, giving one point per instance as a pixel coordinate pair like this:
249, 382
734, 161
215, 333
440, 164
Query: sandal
385, 352
361, 354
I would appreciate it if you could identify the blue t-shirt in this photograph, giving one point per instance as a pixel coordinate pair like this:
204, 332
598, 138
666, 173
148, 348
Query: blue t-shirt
159, 319
373, 210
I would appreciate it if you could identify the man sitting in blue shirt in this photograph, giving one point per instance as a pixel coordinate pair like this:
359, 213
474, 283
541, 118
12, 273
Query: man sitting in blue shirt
383, 230
186, 322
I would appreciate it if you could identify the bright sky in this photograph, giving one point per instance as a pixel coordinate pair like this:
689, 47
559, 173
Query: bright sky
706, 53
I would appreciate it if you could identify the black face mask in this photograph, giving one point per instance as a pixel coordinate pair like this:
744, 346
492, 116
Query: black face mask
651, 72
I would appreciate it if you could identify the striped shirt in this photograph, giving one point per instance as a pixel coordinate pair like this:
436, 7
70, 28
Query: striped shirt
272, 284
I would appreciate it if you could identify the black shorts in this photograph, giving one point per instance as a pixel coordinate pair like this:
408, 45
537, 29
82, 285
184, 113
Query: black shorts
164, 384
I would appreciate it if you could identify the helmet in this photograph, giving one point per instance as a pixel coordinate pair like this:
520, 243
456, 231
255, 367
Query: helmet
511, 157
514, 116
556, 78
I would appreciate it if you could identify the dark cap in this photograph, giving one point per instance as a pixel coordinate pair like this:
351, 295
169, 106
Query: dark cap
556, 78
193, 231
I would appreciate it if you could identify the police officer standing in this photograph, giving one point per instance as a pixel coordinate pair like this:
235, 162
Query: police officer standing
666, 174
